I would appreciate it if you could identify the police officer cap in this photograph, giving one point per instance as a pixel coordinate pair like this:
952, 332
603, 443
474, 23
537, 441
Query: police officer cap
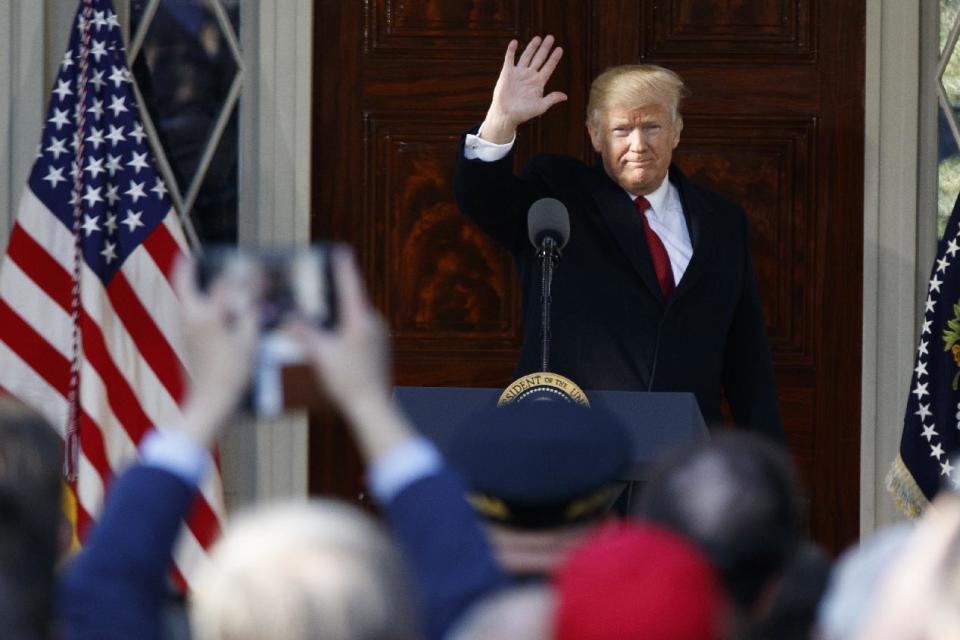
541, 464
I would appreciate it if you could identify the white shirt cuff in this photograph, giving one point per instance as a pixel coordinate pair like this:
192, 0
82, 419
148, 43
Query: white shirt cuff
476, 148
403, 466
176, 453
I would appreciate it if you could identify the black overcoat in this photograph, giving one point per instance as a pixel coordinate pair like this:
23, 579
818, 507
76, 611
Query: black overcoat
611, 328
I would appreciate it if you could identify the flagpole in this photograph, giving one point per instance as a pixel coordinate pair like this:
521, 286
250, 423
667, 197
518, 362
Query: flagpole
71, 452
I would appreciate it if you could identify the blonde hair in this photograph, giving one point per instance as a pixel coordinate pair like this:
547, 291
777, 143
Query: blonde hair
635, 85
303, 571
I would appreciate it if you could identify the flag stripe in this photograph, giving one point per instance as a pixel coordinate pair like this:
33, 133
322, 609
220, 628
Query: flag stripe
44, 227
179, 582
113, 440
159, 409
150, 341
204, 522
119, 394
90, 489
152, 396
131, 416
163, 247
119, 447
172, 225
158, 298
189, 555
34, 350
44, 270
93, 447
22, 381
35, 307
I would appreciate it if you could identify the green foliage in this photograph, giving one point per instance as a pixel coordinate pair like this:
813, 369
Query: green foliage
948, 188
951, 335
949, 169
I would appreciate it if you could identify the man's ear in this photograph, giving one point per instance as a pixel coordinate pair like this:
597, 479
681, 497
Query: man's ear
595, 137
677, 129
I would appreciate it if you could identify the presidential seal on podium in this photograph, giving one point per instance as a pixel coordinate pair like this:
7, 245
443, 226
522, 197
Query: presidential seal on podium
543, 385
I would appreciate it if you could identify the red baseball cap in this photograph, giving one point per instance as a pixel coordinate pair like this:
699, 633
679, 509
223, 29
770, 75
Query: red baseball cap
636, 580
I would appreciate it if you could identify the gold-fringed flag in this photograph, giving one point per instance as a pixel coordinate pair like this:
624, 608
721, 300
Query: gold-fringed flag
89, 329
930, 441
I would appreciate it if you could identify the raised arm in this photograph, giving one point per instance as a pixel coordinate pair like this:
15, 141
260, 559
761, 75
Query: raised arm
430, 519
518, 95
116, 586
352, 363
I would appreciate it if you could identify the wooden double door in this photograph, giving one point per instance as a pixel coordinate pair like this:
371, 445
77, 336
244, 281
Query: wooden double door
774, 122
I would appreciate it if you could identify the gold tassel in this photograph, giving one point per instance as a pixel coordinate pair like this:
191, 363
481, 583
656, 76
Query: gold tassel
906, 495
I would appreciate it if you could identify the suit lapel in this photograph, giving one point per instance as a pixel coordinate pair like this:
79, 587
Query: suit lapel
620, 215
703, 235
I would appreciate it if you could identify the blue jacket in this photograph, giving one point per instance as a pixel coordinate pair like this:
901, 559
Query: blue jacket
116, 587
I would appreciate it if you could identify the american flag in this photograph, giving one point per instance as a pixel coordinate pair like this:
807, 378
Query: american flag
89, 334
930, 443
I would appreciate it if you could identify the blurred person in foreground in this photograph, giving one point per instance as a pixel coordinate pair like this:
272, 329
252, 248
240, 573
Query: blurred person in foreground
523, 612
736, 497
30, 521
309, 570
422, 497
855, 579
639, 580
543, 475
792, 612
917, 595
626, 580
317, 569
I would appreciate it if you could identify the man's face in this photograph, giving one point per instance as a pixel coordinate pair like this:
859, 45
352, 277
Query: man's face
636, 145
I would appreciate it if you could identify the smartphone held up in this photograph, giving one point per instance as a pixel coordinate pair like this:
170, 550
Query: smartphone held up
289, 284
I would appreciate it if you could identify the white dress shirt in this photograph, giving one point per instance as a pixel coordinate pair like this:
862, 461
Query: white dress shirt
665, 216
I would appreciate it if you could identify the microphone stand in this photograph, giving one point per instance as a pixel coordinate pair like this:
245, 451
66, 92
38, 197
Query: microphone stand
549, 255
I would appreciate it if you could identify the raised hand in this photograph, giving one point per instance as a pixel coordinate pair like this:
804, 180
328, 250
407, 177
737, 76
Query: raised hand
221, 330
352, 362
518, 96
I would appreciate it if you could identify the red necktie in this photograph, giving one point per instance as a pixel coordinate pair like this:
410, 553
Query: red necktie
661, 261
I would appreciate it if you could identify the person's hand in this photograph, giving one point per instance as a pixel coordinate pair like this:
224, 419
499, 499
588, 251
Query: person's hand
220, 331
518, 96
352, 362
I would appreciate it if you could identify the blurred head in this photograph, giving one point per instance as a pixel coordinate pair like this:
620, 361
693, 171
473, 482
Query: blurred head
524, 612
793, 605
918, 594
304, 570
636, 580
535, 552
735, 496
854, 580
634, 123
30, 496
542, 474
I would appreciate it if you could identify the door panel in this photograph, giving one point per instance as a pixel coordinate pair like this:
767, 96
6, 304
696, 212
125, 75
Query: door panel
774, 122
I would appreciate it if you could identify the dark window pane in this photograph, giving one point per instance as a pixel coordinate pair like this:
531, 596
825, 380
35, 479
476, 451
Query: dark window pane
184, 70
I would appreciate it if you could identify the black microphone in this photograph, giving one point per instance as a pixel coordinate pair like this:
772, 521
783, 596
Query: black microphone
548, 218
548, 225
